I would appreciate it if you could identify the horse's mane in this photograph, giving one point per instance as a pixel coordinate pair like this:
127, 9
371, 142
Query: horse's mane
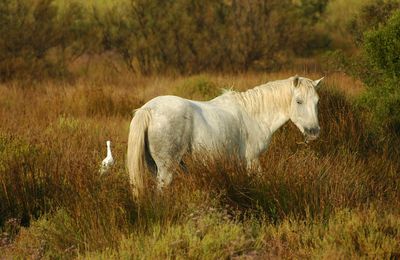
266, 97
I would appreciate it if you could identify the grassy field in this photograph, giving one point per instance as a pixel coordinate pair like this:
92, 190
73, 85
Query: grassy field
337, 197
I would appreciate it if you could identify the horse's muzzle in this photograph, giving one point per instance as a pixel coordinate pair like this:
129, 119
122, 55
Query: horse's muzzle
311, 133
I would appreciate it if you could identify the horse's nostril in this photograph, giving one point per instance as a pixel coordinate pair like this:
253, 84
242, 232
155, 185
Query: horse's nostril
315, 131
312, 131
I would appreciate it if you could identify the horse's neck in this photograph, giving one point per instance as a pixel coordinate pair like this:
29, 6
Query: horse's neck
269, 105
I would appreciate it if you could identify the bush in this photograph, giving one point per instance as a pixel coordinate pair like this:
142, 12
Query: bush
384, 103
382, 47
38, 39
43, 38
382, 50
197, 88
371, 16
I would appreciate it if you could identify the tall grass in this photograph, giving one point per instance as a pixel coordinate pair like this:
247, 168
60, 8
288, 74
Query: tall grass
336, 197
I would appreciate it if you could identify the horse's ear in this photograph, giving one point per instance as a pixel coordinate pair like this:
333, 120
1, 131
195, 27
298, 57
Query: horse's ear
317, 83
296, 81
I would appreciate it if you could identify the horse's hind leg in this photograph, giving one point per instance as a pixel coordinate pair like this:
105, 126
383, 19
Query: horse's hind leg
167, 154
169, 136
164, 176
165, 172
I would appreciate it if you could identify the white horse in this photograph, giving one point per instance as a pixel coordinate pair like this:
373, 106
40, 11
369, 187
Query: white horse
167, 127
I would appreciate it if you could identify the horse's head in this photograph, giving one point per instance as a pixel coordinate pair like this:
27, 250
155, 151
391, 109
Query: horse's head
304, 106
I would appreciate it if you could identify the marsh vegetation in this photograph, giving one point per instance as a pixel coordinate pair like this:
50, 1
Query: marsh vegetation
72, 73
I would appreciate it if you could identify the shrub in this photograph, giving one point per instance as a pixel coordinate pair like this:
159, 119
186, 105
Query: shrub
382, 47
382, 50
377, 63
38, 39
371, 16
197, 88
384, 103
191, 37
43, 38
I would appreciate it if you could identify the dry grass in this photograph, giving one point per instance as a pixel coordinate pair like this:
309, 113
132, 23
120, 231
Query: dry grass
335, 198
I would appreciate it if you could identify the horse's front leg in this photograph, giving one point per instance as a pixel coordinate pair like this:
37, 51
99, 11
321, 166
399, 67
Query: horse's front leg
255, 148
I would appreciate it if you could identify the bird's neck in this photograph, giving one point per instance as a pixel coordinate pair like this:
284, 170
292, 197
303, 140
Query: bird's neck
109, 151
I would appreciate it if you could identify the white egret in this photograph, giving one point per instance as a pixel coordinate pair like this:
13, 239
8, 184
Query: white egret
108, 161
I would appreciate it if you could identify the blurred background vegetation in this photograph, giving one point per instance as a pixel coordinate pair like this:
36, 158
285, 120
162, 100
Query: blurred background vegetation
43, 38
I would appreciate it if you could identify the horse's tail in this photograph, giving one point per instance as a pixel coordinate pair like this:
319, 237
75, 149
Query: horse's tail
136, 160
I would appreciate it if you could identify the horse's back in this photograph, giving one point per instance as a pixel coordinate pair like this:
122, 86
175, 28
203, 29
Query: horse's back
182, 124
165, 105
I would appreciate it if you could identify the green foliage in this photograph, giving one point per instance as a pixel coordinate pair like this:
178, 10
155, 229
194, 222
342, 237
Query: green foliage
383, 47
208, 233
382, 52
203, 236
197, 88
348, 234
383, 101
371, 16
375, 29
346, 24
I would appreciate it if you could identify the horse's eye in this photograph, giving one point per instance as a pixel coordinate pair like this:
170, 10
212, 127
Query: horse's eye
299, 101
